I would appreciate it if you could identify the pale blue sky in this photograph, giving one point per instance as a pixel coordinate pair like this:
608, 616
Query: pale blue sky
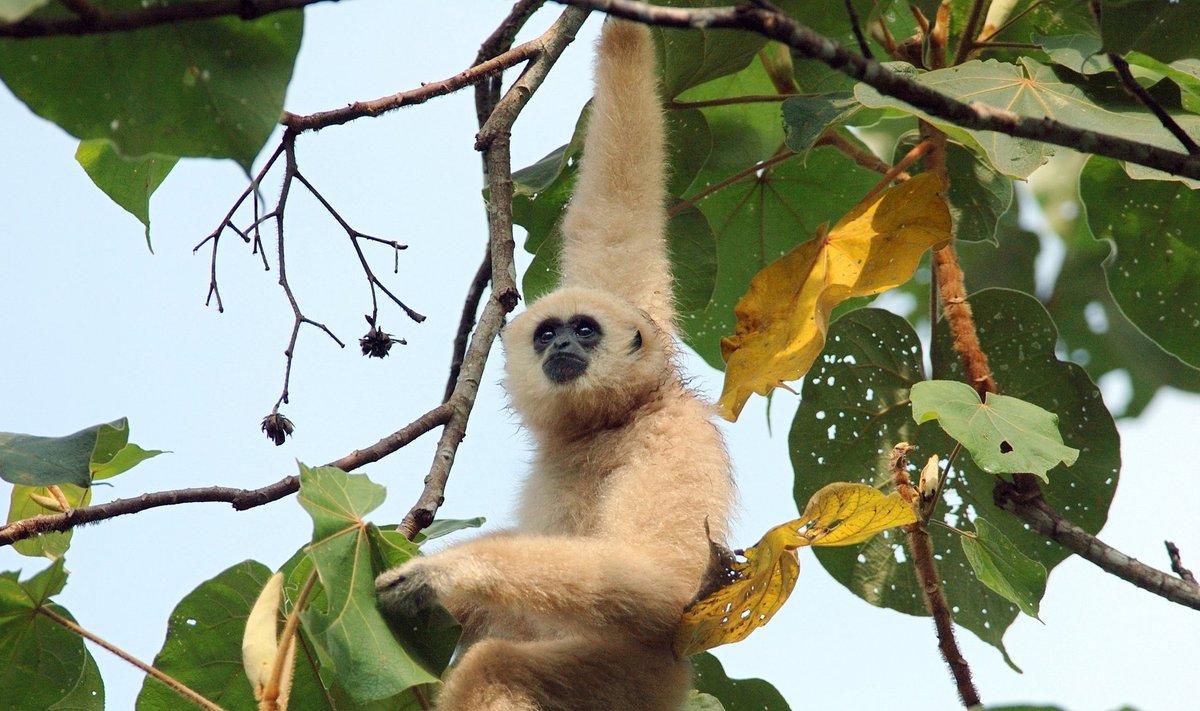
96, 328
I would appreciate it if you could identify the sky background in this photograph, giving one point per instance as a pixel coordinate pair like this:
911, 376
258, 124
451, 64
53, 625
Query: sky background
94, 327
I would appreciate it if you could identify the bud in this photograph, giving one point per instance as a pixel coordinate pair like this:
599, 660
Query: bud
277, 427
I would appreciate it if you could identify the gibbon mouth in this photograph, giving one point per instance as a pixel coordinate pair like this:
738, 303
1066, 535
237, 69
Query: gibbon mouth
564, 367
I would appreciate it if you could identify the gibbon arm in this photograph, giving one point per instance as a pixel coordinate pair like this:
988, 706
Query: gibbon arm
577, 584
614, 231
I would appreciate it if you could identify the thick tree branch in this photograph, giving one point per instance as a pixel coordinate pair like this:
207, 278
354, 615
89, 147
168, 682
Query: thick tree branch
92, 20
493, 140
974, 115
1033, 509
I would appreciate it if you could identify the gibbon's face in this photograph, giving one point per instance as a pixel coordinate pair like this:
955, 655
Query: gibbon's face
579, 357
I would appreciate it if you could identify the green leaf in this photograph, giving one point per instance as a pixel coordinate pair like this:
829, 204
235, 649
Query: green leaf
805, 118
697, 701
31, 460
203, 645
224, 79
1154, 275
446, 526
1004, 568
129, 457
55, 543
1164, 29
14, 10
734, 694
855, 407
1003, 434
42, 663
692, 57
128, 181
978, 196
1079, 53
349, 631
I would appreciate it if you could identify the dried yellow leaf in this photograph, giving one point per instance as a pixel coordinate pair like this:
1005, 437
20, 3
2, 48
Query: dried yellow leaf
784, 316
839, 514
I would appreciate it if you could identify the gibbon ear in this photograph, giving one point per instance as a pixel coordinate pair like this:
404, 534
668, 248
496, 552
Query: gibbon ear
636, 344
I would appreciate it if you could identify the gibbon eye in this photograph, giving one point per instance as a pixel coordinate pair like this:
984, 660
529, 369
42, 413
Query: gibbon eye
586, 329
545, 333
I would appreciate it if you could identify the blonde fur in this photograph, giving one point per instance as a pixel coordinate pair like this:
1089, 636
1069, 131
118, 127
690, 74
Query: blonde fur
576, 608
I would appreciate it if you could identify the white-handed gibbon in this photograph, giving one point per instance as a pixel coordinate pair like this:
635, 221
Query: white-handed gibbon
576, 607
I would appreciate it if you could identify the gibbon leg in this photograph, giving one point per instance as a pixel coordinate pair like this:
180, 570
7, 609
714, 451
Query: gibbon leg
573, 674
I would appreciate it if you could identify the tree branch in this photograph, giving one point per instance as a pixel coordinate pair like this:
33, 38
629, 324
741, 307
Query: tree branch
241, 499
91, 20
1177, 563
974, 115
1139, 92
493, 140
1033, 509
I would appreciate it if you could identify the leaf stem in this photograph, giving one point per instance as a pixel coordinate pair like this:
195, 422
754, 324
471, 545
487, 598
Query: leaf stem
171, 682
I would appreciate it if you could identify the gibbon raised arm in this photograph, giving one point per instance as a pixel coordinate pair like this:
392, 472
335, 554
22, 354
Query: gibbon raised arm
575, 609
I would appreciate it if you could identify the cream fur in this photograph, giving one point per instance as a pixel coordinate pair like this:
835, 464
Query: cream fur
577, 607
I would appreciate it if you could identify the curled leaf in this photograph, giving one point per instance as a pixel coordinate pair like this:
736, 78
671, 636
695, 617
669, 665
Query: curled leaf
839, 514
259, 641
783, 318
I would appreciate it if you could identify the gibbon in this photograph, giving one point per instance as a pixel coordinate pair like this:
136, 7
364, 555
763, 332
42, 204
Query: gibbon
577, 607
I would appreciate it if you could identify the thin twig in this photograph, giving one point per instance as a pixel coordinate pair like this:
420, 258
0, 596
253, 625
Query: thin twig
763, 165
900, 168
1177, 563
1033, 509
733, 100
861, 156
487, 92
467, 321
103, 21
858, 33
375, 107
288, 637
1139, 92
372, 280
966, 43
241, 499
974, 115
174, 684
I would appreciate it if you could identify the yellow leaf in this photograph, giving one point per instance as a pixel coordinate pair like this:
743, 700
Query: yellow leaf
259, 641
839, 514
784, 316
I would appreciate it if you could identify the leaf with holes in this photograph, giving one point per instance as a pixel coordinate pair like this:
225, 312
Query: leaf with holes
782, 319
1004, 568
855, 407
1003, 434
1154, 275
840, 514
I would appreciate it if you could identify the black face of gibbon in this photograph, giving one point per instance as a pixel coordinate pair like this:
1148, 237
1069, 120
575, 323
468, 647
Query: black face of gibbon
565, 347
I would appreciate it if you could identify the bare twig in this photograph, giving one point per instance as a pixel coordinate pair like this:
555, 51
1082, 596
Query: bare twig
372, 280
852, 14
375, 107
174, 684
487, 92
900, 168
1139, 92
863, 157
784, 154
732, 100
1033, 509
1177, 563
974, 115
467, 321
100, 21
966, 43
241, 499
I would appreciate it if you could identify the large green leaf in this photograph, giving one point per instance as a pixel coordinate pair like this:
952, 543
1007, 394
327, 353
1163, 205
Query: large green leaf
855, 408
203, 645
1163, 29
1035, 90
734, 694
128, 181
31, 460
349, 630
1154, 274
42, 663
210, 88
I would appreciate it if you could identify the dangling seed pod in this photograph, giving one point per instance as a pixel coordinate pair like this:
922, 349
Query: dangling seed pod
277, 427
